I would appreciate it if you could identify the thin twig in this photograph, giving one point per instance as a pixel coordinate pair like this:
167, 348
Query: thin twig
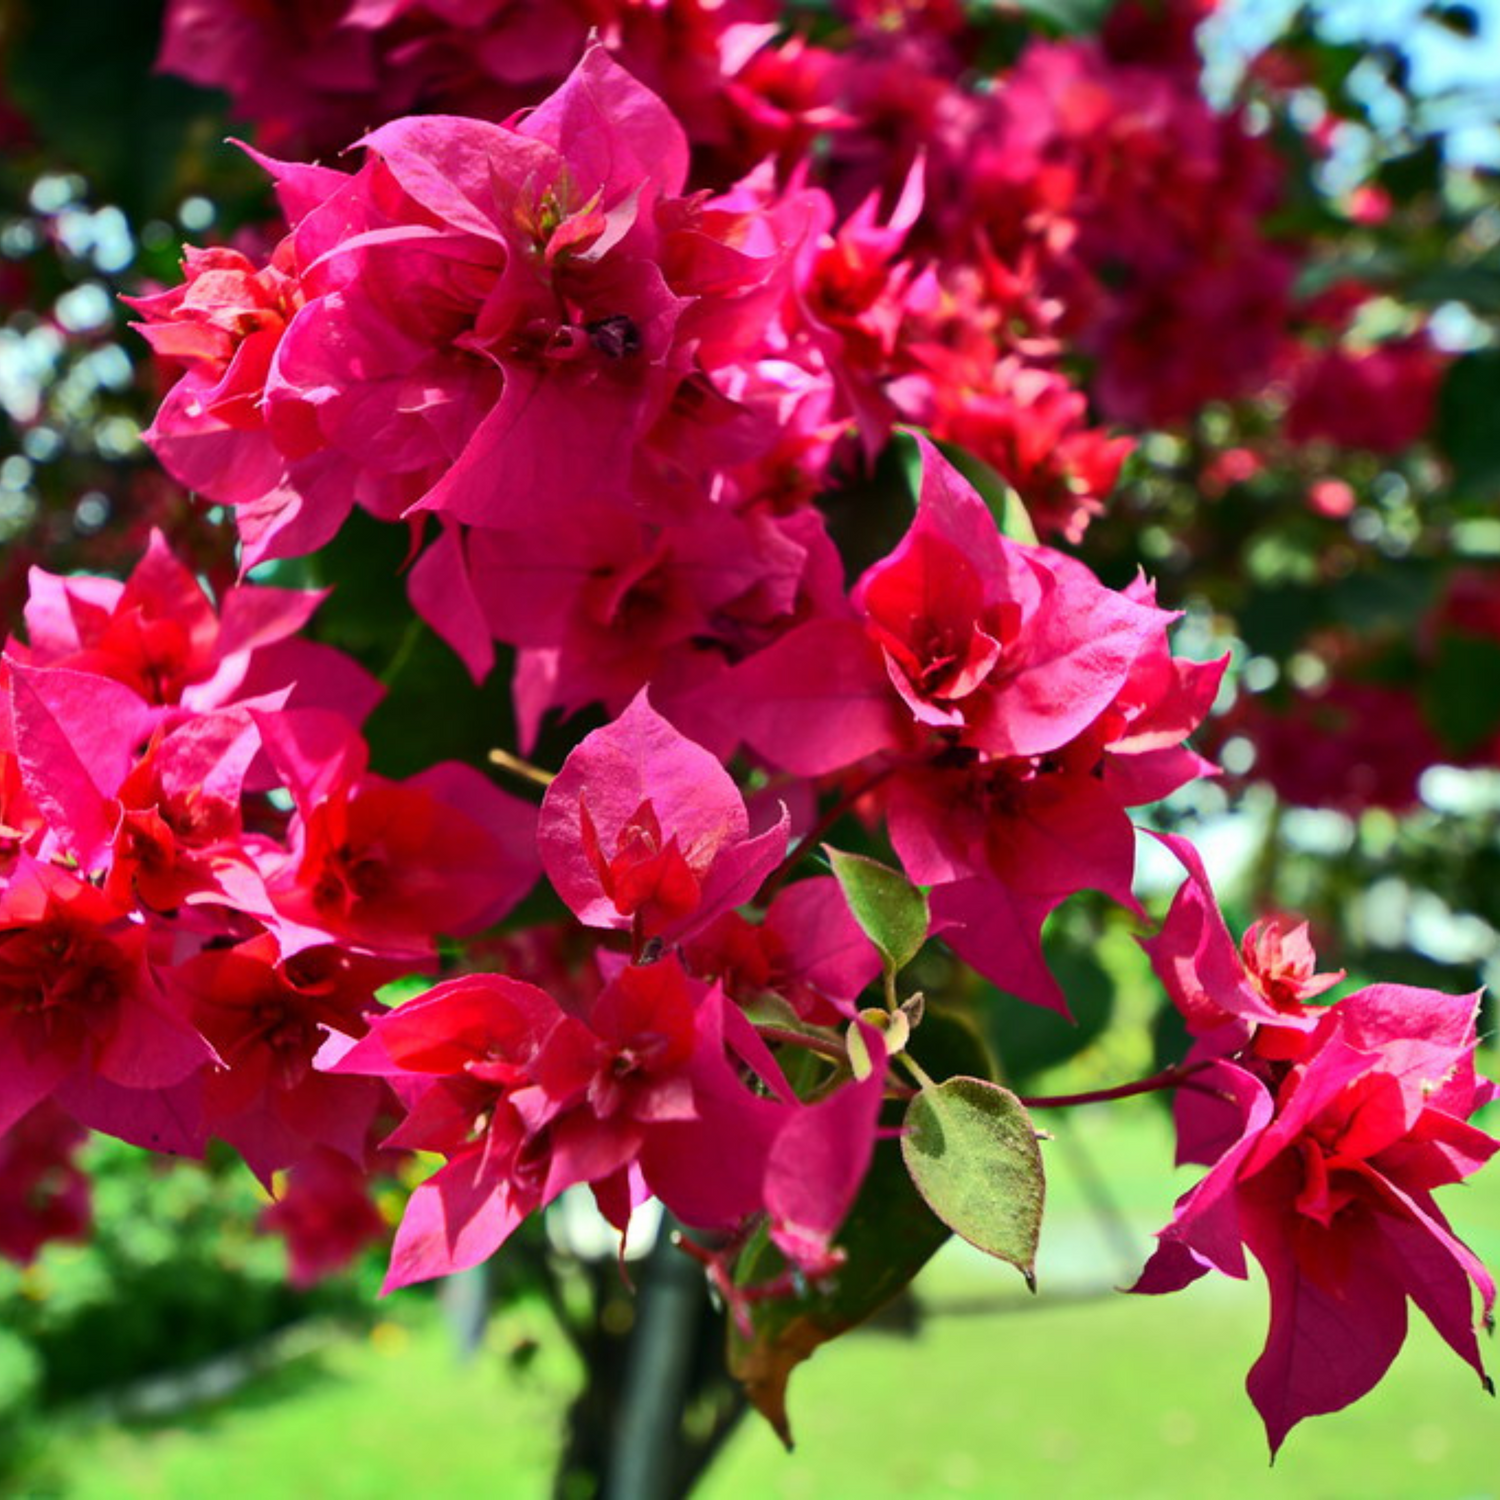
522, 768
1175, 1077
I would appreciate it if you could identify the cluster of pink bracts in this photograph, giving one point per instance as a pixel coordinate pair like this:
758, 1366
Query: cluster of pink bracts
604, 406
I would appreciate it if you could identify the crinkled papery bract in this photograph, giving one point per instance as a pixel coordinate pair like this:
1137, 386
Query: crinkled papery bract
517, 327
381, 867
640, 1094
158, 634
266, 1027
809, 950
644, 830
1014, 708
1262, 983
151, 984
960, 639
1326, 1171
312, 76
81, 1010
179, 837
610, 602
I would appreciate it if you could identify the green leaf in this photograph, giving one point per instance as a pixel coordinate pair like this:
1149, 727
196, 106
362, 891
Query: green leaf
972, 1151
1466, 422
408, 987
1461, 692
1068, 15
1476, 283
889, 1236
891, 911
1029, 1038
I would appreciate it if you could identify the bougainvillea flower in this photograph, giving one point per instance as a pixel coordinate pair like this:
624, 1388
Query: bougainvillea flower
1073, 156
808, 950
1163, 701
1031, 426
818, 1161
222, 326
325, 1215
265, 1099
313, 78
76, 737
1383, 399
645, 831
1266, 981
525, 1100
1004, 841
381, 866
159, 635
80, 1005
853, 296
540, 270
962, 638
746, 1153
535, 298
1018, 709
618, 602
22, 826
44, 1193
1327, 1179
179, 835
454, 1056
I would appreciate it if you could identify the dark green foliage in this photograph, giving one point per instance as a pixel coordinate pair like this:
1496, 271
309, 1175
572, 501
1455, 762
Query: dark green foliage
174, 1274
1468, 428
1029, 1039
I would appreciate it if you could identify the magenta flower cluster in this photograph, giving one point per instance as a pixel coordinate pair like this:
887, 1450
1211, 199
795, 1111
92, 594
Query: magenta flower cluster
603, 401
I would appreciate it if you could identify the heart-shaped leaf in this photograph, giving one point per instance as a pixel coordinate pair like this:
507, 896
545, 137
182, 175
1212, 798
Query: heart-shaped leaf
972, 1151
891, 911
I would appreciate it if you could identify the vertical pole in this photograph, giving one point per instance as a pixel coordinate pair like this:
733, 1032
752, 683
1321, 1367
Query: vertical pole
647, 1447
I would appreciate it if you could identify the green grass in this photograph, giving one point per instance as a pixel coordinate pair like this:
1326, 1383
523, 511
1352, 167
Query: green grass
369, 1418
998, 1395
1116, 1399
1003, 1396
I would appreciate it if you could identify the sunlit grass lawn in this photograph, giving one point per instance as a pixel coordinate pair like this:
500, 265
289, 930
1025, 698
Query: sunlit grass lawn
998, 1395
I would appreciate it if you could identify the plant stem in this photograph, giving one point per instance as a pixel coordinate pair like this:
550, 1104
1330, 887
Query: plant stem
834, 1051
1176, 1076
822, 1045
522, 768
916, 1070
402, 654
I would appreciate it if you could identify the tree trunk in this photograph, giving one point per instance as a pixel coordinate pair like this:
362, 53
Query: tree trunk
656, 1404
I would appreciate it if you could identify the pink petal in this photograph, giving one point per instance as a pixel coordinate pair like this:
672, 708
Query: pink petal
815, 701
76, 736
460, 1216
442, 593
